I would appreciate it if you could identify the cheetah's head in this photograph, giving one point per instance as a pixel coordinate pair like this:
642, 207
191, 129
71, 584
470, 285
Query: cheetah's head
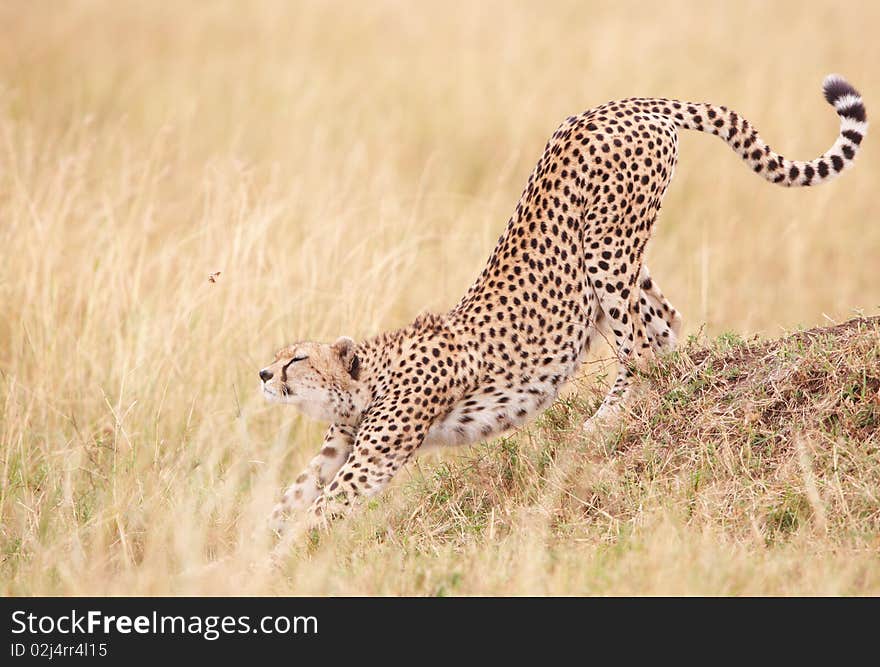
320, 380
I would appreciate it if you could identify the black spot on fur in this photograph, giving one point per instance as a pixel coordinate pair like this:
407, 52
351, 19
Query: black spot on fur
853, 136
855, 111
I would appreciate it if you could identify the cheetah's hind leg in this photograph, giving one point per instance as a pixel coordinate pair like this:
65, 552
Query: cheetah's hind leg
661, 324
662, 321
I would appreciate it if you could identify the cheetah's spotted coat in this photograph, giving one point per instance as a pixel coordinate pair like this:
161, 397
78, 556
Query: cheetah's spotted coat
567, 268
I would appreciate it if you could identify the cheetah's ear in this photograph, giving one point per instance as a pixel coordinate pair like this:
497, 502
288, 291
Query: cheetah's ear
345, 348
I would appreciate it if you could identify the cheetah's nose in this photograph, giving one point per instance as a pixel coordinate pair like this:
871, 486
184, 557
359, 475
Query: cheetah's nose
265, 375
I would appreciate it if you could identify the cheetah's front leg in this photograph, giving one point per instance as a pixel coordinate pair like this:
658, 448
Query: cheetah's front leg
386, 439
337, 445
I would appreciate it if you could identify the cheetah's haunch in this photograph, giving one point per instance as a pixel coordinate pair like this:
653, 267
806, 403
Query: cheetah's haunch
567, 268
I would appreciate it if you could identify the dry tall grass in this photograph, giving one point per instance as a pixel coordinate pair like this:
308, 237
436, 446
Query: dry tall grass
345, 166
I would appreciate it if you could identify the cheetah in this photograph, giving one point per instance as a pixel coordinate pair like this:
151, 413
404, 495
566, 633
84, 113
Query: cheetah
567, 269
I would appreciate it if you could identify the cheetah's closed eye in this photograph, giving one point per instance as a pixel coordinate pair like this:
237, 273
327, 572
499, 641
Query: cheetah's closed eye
567, 268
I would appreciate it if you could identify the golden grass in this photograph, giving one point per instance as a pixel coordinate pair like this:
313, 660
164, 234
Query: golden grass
345, 166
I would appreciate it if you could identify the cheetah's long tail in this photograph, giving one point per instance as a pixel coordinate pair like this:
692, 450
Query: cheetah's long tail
748, 144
